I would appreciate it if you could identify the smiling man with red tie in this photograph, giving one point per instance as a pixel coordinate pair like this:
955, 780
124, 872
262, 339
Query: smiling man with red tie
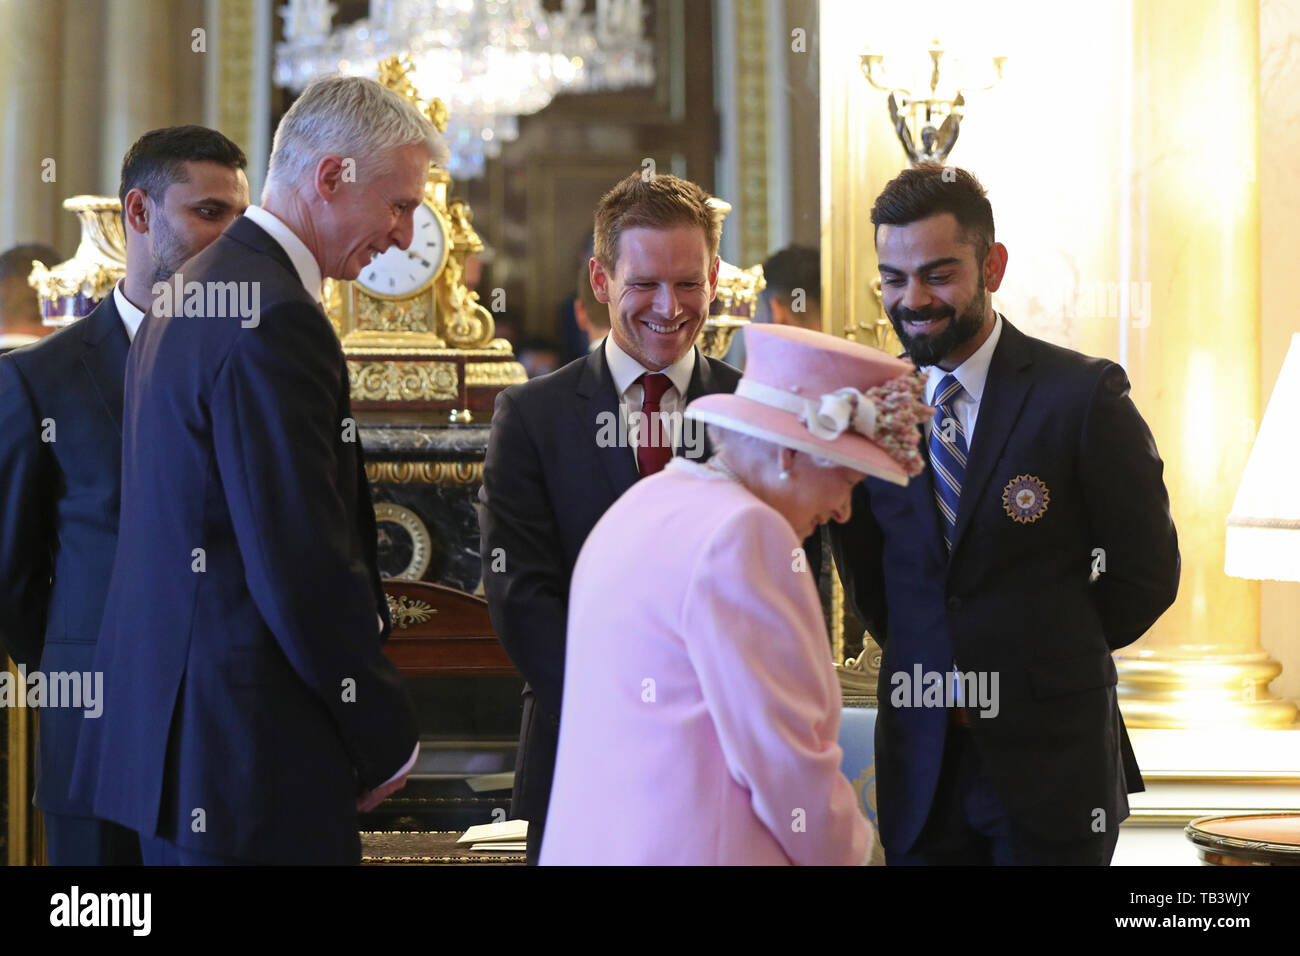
566, 445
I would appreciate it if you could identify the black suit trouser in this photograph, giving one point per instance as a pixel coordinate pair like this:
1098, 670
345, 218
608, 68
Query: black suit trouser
969, 825
85, 841
539, 737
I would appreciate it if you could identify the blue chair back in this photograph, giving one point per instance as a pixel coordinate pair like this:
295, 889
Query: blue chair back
858, 741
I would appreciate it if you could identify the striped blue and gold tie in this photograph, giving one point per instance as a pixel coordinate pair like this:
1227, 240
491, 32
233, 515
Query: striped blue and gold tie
947, 455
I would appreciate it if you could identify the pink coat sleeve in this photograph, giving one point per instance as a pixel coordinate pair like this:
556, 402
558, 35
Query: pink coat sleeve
754, 631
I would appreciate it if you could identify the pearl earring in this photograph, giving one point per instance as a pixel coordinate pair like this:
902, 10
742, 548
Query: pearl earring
784, 475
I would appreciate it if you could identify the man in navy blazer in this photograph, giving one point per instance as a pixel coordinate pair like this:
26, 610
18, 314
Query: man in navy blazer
999, 582
250, 712
566, 445
61, 460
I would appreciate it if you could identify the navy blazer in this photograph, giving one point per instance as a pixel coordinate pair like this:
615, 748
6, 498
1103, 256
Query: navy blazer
1016, 597
248, 700
60, 482
546, 482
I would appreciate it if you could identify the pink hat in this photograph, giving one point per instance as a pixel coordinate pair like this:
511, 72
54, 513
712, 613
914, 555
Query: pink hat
826, 396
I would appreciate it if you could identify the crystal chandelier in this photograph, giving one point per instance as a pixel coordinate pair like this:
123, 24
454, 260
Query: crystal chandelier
490, 61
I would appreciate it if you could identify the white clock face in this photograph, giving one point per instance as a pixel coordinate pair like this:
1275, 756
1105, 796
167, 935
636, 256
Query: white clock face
399, 272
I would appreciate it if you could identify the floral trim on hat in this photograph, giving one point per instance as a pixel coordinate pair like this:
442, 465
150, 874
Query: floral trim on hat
887, 414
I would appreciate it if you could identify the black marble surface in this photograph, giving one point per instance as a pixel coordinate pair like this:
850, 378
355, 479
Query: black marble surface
424, 442
480, 712
447, 509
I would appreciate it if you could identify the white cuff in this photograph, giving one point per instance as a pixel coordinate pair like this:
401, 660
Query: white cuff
406, 767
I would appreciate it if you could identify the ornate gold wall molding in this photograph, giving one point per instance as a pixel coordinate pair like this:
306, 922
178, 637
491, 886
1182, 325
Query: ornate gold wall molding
1195, 364
236, 31
752, 131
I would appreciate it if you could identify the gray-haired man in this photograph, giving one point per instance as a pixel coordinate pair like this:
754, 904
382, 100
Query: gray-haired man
250, 712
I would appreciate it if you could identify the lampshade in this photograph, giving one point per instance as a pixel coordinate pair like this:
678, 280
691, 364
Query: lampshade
1264, 527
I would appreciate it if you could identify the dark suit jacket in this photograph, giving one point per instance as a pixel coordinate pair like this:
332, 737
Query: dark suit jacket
60, 479
546, 482
248, 699
1015, 598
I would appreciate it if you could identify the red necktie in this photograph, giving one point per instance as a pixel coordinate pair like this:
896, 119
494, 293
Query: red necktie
654, 446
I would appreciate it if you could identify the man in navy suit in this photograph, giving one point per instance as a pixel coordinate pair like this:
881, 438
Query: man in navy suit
998, 583
249, 710
566, 445
61, 458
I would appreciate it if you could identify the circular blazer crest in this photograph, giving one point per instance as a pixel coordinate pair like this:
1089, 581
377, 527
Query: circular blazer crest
1025, 498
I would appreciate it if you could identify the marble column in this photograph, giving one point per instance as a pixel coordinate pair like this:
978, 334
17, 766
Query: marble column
154, 74
1194, 362
30, 42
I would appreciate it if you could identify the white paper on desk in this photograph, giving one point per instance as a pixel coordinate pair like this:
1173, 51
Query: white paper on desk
507, 831
488, 782
501, 847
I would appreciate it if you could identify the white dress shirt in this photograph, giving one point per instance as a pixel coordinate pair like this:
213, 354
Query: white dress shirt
626, 370
304, 263
972, 374
131, 316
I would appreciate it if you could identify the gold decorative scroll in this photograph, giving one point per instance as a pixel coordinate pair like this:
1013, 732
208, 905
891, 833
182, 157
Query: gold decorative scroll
405, 611
466, 324
409, 316
494, 373
395, 73
403, 381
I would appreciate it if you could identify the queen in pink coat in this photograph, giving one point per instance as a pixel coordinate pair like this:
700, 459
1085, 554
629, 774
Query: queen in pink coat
701, 707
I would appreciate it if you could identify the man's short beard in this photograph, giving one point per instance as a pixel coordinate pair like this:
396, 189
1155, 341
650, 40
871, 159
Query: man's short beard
169, 253
932, 349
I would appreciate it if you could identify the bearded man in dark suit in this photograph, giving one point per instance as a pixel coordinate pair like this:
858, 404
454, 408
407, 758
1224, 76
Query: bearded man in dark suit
999, 738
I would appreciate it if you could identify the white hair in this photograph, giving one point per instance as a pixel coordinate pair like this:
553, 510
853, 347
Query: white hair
347, 116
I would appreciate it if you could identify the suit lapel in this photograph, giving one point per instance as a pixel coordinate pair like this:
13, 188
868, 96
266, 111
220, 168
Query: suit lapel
248, 233
597, 403
1004, 396
104, 356
703, 382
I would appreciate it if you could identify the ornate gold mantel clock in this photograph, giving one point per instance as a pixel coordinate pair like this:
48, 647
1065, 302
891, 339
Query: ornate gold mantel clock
415, 337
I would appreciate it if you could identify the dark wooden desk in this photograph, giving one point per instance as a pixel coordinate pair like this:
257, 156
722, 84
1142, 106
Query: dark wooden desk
442, 632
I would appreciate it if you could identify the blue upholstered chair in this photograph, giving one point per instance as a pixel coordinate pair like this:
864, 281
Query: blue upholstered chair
858, 741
